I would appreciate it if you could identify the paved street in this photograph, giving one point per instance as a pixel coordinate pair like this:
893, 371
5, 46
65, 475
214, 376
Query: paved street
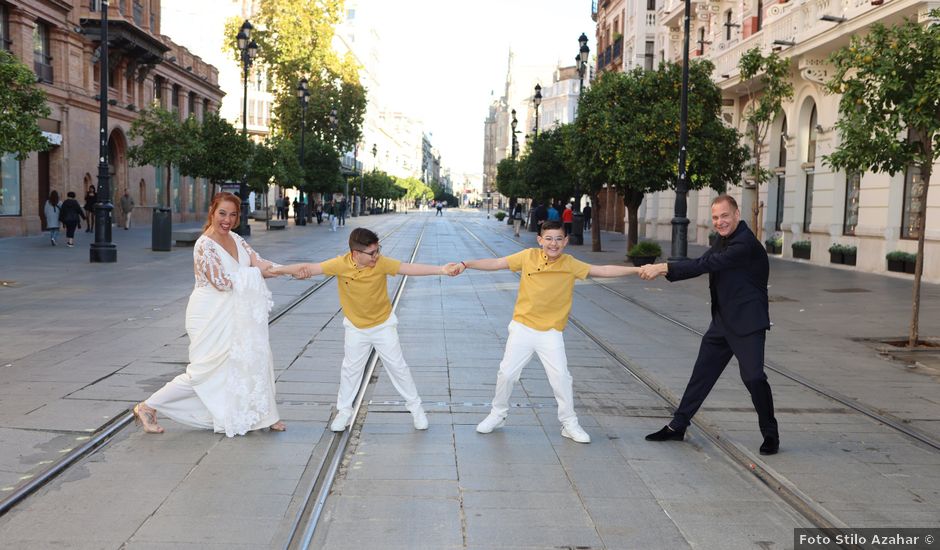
83, 342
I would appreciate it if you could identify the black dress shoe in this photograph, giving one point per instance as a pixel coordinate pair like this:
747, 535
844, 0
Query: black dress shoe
770, 446
666, 434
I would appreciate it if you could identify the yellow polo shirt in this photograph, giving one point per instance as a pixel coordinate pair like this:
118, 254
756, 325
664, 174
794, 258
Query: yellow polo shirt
546, 288
363, 291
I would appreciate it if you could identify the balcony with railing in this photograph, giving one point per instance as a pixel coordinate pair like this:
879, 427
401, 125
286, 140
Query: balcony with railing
594, 10
618, 49
138, 14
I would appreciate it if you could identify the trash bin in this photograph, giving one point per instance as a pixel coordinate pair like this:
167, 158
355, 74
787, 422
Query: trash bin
533, 227
577, 229
161, 231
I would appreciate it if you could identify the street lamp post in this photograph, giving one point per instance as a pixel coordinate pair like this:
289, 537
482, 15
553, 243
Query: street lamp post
249, 50
515, 141
103, 250
375, 162
300, 216
680, 223
537, 99
582, 60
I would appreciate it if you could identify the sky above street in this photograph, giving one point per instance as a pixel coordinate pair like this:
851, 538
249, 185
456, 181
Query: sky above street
442, 59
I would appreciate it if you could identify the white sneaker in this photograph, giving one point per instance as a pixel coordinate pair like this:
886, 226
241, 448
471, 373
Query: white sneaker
490, 423
420, 419
341, 420
574, 432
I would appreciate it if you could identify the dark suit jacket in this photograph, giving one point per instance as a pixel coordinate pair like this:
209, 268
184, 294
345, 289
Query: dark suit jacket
737, 270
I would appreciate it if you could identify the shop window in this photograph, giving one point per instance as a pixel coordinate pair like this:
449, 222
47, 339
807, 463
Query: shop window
853, 184
10, 191
913, 203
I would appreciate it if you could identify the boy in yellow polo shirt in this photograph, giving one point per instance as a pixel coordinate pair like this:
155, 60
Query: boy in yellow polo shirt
541, 313
363, 292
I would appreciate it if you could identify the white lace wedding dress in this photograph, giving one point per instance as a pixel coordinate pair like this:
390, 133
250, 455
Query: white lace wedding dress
228, 385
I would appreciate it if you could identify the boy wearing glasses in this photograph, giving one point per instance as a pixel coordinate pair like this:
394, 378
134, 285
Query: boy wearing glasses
369, 320
546, 288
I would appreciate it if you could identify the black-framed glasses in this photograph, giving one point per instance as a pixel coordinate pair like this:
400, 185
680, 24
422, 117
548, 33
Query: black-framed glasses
373, 254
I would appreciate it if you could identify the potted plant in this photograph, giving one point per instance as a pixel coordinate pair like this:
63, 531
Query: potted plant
835, 253
849, 254
499, 215
774, 245
895, 260
802, 249
644, 252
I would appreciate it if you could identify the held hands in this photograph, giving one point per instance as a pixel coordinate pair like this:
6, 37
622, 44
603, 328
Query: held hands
298, 271
651, 271
453, 269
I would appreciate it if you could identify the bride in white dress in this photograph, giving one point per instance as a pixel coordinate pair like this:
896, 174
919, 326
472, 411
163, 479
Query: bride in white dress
228, 385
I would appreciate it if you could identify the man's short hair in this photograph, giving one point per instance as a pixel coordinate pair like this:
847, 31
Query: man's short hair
546, 225
725, 198
361, 238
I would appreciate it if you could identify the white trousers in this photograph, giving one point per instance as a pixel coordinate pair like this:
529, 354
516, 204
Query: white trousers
179, 401
332, 222
523, 343
358, 344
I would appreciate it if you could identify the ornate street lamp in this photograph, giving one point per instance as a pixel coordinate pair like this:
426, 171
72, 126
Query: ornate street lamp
537, 99
582, 59
515, 141
249, 51
103, 250
680, 223
300, 216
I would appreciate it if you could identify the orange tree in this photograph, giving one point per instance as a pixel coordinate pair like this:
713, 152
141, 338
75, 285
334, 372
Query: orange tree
889, 114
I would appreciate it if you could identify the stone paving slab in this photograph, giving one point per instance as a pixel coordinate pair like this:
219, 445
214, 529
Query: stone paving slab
523, 486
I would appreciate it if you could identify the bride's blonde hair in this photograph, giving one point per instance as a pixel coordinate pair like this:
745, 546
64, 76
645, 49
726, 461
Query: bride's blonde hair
218, 199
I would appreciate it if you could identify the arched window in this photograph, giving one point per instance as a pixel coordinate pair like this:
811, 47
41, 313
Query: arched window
810, 176
781, 175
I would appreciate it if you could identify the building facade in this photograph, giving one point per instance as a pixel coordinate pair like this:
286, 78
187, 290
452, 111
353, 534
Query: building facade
58, 39
805, 200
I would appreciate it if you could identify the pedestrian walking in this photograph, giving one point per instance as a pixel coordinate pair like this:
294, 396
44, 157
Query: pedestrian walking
318, 207
342, 211
587, 216
541, 214
91, 198
127, 208
71, 215
567, 218
553, 214
331, 214
517, 218
440, 209
369, 321
546, 289
228, 386
51, 210
738, 271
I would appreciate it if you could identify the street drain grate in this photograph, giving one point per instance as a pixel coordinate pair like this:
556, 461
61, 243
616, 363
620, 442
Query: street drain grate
779, 299
845, 290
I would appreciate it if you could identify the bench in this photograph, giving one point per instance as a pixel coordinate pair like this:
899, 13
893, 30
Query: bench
277, 224
185, 237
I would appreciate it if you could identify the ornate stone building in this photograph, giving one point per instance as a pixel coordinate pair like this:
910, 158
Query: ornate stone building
806, 200
59, 40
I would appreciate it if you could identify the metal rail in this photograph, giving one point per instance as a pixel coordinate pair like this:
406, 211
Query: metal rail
103, 435
790, 494
831, 394
308, 518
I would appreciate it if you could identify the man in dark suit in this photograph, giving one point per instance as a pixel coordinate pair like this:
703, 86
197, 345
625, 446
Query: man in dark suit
737, 270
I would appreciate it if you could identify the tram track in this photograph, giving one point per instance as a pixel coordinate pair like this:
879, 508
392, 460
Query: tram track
307, 519
869, 411
790, 494
104, 434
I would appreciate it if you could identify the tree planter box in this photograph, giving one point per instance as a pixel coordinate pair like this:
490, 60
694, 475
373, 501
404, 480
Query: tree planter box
896, 266
849, 259
802, 253
772, 248
834, 257
909, 267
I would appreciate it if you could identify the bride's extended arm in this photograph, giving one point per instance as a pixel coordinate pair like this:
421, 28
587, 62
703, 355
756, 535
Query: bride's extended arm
265, 266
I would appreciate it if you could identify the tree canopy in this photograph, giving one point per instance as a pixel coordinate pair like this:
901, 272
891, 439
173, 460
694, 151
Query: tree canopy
162, 140
889, 113
218, 151
22, 103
